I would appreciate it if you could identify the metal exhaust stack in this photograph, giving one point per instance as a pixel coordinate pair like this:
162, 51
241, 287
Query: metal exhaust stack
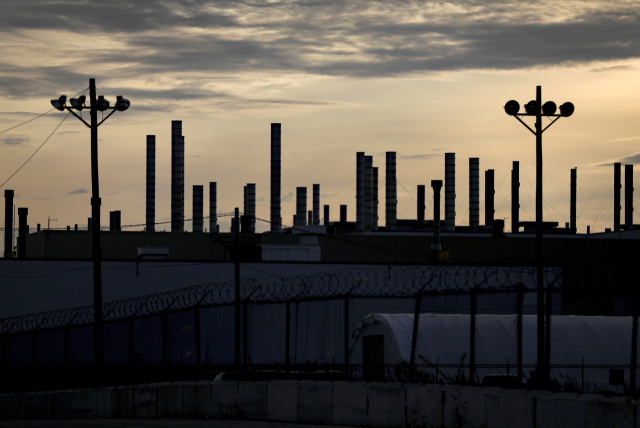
301, 206
574, 191
198, 209
276, 179
213, 215
117, 215
151, 184
515, 197
449, 192
176, 176
360, 189
368, 193
326, 215
23, 230
343, 213
375, 199
391, 194
8, 224
316, 205
474, 194
310, 217
436, 247
616, 196
251, 207
628, 197
489, 196
421, 204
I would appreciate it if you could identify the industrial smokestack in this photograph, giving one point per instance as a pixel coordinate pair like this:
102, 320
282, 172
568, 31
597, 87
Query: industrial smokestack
182, 205
118, 217
89, 223
112, 221
213, 190
628, 197
316, 205
391, 194
368, 193
176, 176
360, 191
251, 206
22, 232
616, 196
343, 213
198, 209
421, 204
474, 194
436, 247
301, 206
489, 194
151, 184
8, 224
375, 199
310, 217
449, 192
515, 197
326, 215
574, 191
276, 219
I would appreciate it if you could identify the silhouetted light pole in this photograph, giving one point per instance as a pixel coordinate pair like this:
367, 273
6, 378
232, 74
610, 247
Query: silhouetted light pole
537, 109
99, 104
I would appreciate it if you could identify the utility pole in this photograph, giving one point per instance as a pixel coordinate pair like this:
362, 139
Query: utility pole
236, 267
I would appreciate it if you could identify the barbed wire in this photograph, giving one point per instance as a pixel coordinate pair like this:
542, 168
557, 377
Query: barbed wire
353, 282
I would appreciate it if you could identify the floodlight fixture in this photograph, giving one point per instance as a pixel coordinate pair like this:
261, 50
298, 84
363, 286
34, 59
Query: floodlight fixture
531, 107
59, 104
566, 109
101, 103
121, 103
512, 108
78, 103
549, 108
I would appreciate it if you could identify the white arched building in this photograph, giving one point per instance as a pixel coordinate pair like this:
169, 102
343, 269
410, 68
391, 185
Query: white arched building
445, 340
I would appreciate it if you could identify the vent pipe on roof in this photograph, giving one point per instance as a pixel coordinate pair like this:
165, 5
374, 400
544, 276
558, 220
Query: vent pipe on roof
151, 184
343, 213
176, 176
326, 215
213, 215
574, 191
198, 208
436, 247
316, 205
250, 209
628, 197
489, 196
89, 223
360, 191
310, 217
515, 197
391, 195
616, 196
368, 193
8, 223
474, 194
301, 206
375, 199
449, 192
112, 221
276, 148
22, 232
421, 204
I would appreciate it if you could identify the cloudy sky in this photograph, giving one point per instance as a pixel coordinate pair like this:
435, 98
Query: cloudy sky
418, 78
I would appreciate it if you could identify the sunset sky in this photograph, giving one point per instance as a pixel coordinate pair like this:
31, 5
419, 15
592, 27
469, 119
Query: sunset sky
418, 78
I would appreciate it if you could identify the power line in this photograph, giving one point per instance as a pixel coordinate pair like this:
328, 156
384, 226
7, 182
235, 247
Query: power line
24, 123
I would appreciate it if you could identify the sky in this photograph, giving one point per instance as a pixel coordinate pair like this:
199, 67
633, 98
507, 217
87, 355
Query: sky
418, 78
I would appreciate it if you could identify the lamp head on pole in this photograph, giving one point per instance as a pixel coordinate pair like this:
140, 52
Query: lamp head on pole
78, 103
512, 108
566, 109
59, 104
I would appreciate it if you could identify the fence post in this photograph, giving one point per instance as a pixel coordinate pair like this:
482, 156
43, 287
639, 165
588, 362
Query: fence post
414, 335
245, 334
164, 337
131, 328
582, 374
519, 297
34, 347
287, 367
196, 322
634, 342
65, 349
547, 327
472, 338
346, 338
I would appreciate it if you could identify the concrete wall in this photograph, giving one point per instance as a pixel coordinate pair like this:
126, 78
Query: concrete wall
338, 403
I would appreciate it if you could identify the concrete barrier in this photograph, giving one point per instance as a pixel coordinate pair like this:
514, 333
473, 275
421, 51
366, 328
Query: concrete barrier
43, 404
171, 400
122, 402
424, 406
282, 401
103, 403
61, 404
197, 399
224, 399
252, 400
7, 406
562, 410
145, 401
386, 405
609, 412
83, 404
349, 403
510, 408
25, 405
314, 402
